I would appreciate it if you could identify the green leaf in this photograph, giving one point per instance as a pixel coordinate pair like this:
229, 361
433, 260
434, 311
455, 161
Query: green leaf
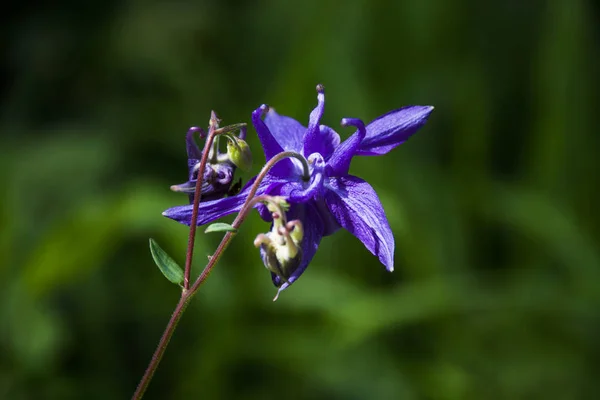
220, 227
170, 269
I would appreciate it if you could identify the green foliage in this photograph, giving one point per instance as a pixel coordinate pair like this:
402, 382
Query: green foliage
219, 227
493, 204
169, 268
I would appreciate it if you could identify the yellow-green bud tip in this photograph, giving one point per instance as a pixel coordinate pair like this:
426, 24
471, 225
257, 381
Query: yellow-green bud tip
239, 153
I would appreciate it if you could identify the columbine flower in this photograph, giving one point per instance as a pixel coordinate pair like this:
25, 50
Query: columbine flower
219, 170
331, 198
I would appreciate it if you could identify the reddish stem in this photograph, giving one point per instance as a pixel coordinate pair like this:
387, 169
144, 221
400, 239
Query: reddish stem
186, 294
212, 126
245, 210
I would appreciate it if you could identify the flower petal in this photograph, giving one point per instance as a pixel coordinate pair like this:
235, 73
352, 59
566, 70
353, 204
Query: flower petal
393, 129
193, 151
270, 145
329, 141
208, 211
313, 233
339, 162
297, 191
212, 210
288, 132
357, 208
192, 171
312, 138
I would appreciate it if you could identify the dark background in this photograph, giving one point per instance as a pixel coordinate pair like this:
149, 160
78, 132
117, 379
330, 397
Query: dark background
493, 204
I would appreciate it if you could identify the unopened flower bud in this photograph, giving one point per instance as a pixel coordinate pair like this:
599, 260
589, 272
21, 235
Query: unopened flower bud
239, 152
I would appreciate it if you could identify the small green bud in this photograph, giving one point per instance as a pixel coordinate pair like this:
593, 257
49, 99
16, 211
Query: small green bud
239, 152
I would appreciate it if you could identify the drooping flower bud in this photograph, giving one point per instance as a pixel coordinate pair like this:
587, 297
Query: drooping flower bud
220, 168
280, 248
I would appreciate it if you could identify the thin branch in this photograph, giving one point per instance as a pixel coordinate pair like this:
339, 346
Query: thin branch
248, 204
186, 295
212, 126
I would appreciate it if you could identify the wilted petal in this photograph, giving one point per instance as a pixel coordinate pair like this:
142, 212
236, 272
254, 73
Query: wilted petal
187, 187
190, 143
357, 208
339, 162
288, 132
313, 233
393, 129
216, 183
192, 171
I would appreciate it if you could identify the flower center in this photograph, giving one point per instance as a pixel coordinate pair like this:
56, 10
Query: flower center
314, 186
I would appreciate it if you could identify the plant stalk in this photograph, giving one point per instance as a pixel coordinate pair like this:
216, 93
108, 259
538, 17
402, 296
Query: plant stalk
186, 294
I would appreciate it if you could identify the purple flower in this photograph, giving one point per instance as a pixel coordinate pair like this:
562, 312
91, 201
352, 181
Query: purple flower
331, 198
218, 174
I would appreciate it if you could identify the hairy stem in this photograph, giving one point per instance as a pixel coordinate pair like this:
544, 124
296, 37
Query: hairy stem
212, 126
162, 346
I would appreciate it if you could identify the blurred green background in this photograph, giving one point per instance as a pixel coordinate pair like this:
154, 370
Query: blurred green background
493, 204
